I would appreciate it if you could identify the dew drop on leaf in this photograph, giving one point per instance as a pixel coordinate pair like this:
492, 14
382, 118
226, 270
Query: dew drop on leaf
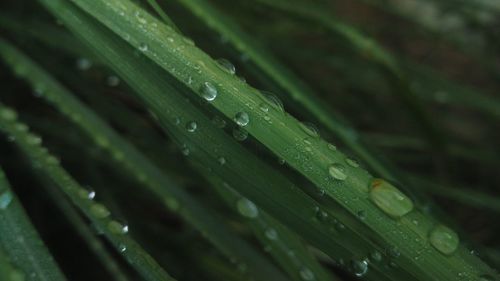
306, 274
191, 126
359, 268
117, 227
309, 129
5, 199
271, 234
227, 66
351, 162
274, 101
240, 134
247, 208
337, 172
242, 119
8, 114
143, 47
99, 210
83, 64
208, 91
112, 81
389, 199
444, 239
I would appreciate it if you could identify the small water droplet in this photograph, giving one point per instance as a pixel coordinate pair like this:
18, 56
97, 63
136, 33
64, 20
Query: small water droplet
351, 162
336, 171
306, 274
321, 215
264, 107
172, 204
219, 122
389, 199
242, 119
143, 47
271, 234
5, 199
247, 208
376, 256
188, 41
83, 64
99, 210
33, 140
444, 239
191, 126
274, 101
122, 248
87, 193
221, 160
8, 114
117, 227
185, 151
310, 129
208, 91
227, 66
331, 147
362, 215
240, 134
359, 268
112, 81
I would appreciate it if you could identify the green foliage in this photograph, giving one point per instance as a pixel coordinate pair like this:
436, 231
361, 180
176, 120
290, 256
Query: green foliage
218, 180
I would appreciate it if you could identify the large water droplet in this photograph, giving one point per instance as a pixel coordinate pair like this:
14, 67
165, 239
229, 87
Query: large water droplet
5, 199
227, 66
310, 129
191, 126
336, 171
389, 199
359, 268
242, 119
444, 239
247, 208
208, 91
306, 274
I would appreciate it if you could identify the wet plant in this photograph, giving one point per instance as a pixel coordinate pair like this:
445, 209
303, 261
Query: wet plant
248, 140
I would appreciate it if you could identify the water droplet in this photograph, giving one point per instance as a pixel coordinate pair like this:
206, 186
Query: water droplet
21, 127
86, 193
393, 252
247, 208
321, 215
5, 199
376, 256
444, 239
83, 64
271, 234
117, 227
274, 101
242, 119
8, 114
112, 81
122, 248
240, 134
351, 162
306, 274
359, 268
336, 171
187, 41
172, 204
143, 47
331, 147
185, 151
191, 126
33, 140
208, 91
227, 66
264, 107
99, 210
219, 122
221, 160
362, 215
389, 199
310, 129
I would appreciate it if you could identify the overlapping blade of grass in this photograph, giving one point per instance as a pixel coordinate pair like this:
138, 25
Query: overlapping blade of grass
84, 231
243, 170
97, 213
285, 247
129, 158
299, 91
28, 255
342, 180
